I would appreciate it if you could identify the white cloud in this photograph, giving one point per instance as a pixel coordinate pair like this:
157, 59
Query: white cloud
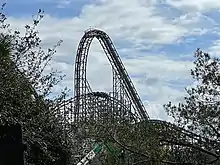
195, 5
67, 3
126, 21
196, 20
131, 20
63, 3
214, 49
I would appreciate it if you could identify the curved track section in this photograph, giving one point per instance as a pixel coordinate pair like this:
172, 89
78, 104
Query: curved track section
190, 144
80, 80
172, 132
106, 108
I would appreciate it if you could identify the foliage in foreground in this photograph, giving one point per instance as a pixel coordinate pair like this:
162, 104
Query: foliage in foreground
24, 89
200, 112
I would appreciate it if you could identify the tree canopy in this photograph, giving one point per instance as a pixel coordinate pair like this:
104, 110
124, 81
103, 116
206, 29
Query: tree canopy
25, 87
200, 111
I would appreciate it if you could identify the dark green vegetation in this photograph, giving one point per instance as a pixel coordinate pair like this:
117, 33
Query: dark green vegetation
25, 89
200, 112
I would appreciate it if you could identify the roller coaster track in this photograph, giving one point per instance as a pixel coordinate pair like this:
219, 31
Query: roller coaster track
170, 131
194, 148
122, 81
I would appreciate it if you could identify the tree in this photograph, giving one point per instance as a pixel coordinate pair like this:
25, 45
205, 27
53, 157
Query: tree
200, 111
25, 90
128, 143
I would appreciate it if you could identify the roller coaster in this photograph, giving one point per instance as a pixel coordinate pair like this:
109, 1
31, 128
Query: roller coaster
123, 102
123, 88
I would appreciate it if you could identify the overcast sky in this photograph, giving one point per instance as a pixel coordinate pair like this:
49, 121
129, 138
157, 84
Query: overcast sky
155, 39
